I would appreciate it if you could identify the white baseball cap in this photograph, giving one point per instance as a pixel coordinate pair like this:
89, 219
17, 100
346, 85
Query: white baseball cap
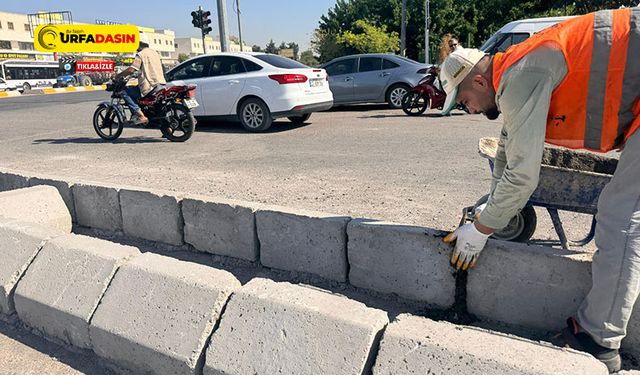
453, 71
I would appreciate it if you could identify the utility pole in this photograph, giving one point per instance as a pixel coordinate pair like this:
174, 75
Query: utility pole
222, 23
204, 45
239, 26
403, 29
426, 32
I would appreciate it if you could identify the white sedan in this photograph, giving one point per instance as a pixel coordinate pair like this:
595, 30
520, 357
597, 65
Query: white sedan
254, 88
5, 86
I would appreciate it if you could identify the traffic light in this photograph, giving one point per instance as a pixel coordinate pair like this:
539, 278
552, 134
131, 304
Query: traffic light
204, 22
197, 19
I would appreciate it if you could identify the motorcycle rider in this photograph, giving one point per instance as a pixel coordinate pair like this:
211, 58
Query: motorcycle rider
150, 75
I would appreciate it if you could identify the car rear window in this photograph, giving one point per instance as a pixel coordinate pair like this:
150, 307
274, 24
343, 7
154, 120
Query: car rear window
281, 62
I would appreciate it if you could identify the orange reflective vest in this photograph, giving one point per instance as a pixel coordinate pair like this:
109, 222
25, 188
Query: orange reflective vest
597, 105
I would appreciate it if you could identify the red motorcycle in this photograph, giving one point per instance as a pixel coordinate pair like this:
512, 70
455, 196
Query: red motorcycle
168, 108
426, 94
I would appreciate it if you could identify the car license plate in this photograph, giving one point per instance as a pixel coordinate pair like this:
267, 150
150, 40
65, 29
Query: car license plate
316, 82
191, 103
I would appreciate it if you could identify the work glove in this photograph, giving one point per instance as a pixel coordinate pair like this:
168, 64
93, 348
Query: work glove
478, 210
469, 242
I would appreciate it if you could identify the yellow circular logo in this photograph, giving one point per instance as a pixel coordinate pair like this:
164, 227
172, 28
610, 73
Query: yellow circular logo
48, 37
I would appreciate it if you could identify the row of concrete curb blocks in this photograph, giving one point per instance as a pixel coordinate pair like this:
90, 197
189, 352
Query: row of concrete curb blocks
157, 313
62, 288
414, 345
544, 286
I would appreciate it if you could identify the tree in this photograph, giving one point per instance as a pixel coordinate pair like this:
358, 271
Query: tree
183, 57
368, 38
271, 47
472, 21
256, 48
296, 49
307, 58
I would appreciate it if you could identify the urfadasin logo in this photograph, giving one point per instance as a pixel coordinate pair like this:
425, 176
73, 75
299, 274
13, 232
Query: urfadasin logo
86, 38
47, 37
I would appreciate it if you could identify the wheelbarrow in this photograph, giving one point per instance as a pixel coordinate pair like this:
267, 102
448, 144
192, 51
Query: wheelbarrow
569, 181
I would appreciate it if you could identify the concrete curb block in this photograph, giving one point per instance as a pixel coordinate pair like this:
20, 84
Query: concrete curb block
152, 216
63, 286
62, 90
220, 227
10, 94
402, 259
304, 241
97, 206
20, 242
271, 328
544, 286
41, 205
413, 345
64, 188
172, 308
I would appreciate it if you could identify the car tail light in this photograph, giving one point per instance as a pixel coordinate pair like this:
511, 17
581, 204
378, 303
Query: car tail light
284, 79
422, 71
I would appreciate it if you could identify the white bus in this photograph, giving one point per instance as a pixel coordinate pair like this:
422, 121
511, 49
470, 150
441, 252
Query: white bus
27, 74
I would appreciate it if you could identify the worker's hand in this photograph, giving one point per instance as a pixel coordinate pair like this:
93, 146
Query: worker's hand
469, 243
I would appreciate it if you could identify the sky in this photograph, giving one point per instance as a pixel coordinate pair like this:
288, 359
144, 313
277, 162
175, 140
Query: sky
262, 20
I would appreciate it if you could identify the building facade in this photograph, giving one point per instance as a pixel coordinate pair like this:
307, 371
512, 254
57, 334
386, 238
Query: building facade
193, 46
16, 41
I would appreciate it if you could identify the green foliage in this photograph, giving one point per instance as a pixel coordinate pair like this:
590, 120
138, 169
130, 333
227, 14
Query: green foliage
307, 58
183, 57
472, 21
368, 38
271, 47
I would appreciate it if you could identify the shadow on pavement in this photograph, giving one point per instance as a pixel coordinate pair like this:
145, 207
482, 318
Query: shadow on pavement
231, 127
82, 361
86, 140
359, 108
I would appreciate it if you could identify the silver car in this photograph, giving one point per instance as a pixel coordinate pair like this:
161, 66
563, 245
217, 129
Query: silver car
373, 78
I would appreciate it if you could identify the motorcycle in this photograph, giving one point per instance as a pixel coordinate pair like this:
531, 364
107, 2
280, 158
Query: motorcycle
168, 108
426, 94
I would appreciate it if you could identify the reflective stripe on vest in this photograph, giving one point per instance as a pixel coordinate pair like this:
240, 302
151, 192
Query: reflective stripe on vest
631, 80
595, 105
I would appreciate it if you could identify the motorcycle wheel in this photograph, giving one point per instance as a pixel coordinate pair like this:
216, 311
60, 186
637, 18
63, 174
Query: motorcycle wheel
179, 123
108, 123
415, 104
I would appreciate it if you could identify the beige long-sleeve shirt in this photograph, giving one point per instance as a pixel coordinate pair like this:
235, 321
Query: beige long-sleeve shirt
523, 98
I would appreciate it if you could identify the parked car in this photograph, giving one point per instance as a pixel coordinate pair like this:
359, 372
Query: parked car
5, 86
516, 32
254, 88
373, 78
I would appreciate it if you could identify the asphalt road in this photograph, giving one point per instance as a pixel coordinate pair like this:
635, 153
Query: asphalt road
363, 161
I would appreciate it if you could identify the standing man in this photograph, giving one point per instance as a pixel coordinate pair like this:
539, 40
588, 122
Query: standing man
577, 85
150, 75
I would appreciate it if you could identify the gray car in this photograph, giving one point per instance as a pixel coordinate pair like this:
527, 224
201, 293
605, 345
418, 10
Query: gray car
372, 78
